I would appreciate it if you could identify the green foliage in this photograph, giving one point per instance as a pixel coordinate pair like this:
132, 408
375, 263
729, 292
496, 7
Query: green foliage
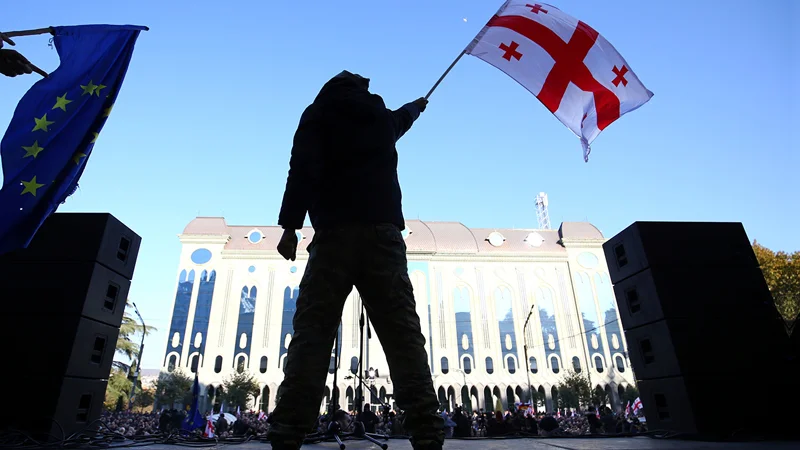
574, 390
119, 387
631, 394
782, 273
130, 328
144, 399
600, 397
172, 388
238, 389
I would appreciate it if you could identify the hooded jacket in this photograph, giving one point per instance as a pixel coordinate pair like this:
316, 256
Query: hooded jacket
343, 168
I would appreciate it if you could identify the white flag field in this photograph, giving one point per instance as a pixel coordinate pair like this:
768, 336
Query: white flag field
575, 72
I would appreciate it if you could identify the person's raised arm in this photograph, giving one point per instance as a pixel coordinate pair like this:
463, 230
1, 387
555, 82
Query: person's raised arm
405, 116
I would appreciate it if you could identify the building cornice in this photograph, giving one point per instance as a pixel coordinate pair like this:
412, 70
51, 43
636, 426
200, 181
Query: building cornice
582, 243
431, 257
204, 238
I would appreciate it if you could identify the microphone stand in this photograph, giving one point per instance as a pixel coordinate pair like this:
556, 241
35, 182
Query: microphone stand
358, 426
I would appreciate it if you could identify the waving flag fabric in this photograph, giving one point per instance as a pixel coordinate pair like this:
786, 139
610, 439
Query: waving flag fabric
577, 74
56, 124
194, 420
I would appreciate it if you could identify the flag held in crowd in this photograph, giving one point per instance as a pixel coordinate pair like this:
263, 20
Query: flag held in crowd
194, 420
575, 72
55, 126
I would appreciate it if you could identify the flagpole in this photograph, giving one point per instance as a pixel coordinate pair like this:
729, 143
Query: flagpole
464, 52
34, 32
11, 34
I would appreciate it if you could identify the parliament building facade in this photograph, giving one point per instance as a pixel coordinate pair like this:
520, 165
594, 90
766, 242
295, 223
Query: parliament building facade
475, 290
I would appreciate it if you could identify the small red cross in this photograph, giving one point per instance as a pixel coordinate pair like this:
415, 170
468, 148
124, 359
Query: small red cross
620, 78
536, 8
511, 51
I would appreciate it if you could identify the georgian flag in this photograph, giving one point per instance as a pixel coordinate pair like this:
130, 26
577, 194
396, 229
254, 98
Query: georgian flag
209, 431
637, 405
577, 74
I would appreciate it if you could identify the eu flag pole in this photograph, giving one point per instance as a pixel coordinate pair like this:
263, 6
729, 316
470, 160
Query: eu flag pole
55, 126
194, 420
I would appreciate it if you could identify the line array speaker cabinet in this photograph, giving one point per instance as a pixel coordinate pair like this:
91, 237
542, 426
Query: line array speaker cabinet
703, 333
63, 300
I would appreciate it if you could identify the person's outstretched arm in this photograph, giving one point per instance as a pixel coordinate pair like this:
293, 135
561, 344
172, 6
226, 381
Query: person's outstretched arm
405, 116
12, 63
302, 171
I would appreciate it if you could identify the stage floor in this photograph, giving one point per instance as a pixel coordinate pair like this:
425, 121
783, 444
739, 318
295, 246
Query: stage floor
643, 443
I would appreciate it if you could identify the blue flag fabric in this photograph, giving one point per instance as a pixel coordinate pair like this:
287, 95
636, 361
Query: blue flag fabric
56, 124
194, 420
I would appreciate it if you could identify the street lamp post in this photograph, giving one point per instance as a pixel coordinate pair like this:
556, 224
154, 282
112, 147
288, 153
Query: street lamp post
138, 358
527, 361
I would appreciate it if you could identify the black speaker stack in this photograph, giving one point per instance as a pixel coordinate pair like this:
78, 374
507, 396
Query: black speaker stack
62, 303
710, 352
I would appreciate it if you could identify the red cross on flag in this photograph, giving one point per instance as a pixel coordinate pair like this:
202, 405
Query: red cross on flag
577, 74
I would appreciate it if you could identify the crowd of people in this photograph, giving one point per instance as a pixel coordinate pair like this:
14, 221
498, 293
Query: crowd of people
458, 423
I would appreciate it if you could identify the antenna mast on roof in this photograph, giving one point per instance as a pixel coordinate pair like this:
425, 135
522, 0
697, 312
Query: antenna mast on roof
541, 211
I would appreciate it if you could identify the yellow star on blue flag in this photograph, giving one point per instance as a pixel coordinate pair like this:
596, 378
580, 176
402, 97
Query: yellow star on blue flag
52, 133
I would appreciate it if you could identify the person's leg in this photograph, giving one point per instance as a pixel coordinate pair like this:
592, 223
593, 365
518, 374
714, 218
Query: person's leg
327, 281
388, 296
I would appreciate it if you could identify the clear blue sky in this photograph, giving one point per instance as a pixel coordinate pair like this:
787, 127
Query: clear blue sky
204, 122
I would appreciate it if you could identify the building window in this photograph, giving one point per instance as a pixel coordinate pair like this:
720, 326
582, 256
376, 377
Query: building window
511, 364
172, 361
445, 365
332, 365
263, 368
576, 364
195, 361
255, 236
240, 364
489, 365
554, 364
218, 364
534, 366
598, 364
467, 365
354, 364
620, 363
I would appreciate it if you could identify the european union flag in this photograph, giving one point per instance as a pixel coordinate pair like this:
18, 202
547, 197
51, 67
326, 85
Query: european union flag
194, 420
56, 124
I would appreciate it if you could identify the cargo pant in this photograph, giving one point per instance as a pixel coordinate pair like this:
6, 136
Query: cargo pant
373, 259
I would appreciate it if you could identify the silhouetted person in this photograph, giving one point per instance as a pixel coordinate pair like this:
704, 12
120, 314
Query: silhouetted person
222, 424
343, 172
594, 423
368, 418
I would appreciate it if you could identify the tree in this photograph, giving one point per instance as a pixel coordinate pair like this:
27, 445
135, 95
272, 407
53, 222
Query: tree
782, 273
119, 387
130, 328
238, 389
630, 395
600, 397
574, 390
174, 387
144, 399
